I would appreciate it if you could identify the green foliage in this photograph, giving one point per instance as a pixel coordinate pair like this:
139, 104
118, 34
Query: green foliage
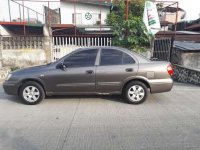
131, 33
159, 6
14, 68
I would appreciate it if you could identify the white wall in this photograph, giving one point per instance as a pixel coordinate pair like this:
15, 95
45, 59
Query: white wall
67, 9
4, 31
23, 57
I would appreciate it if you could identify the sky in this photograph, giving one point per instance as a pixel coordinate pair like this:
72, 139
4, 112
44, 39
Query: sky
37, 6
191, 7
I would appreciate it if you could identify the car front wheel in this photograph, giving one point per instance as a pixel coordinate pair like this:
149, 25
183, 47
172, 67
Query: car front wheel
135, 92
32, 93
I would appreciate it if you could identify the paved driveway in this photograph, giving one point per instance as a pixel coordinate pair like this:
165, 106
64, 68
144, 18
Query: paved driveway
165, 121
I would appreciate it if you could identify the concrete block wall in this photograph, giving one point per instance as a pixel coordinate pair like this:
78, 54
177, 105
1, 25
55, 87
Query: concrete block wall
188, 59
186, 75
23, 58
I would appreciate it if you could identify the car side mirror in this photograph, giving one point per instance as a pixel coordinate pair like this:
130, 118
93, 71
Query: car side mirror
62, 67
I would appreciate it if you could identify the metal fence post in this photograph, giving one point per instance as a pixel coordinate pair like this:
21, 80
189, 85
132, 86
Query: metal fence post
171, 49
152, 40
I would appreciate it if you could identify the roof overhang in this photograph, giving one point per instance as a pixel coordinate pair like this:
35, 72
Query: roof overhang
62, 26
106, 3
193, 27
20, 24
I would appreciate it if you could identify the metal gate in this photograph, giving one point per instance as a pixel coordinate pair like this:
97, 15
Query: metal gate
63, 45
162, 49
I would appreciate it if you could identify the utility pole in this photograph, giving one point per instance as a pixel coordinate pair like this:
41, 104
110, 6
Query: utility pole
9, 10
24, 17
127, 9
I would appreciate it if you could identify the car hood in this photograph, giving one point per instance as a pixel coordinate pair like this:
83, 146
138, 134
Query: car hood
31, 70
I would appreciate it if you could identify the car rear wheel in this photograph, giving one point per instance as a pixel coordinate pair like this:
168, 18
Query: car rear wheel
135, 92
32, 93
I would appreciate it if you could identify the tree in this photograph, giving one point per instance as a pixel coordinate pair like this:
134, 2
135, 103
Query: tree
131, 33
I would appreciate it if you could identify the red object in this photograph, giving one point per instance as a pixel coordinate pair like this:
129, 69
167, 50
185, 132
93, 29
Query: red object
12, 23
62, 25
75, 17
127, 9
170, 70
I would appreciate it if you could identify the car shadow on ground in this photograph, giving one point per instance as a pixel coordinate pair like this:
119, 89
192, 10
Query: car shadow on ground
11, 98
114, 98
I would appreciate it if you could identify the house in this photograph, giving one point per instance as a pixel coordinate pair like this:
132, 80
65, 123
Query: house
170, 14
74, 17
84, 13
58, 31
80, 17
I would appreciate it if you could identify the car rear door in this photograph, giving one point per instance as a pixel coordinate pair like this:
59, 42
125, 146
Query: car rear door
115, 66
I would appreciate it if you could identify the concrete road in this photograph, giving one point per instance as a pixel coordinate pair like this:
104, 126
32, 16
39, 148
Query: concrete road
168, 121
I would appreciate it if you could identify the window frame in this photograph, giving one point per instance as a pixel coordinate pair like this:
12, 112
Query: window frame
123, 52
81, 50
129, 56
74, 17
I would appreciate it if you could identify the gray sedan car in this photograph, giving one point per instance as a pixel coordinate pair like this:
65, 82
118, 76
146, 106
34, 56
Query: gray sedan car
94, 70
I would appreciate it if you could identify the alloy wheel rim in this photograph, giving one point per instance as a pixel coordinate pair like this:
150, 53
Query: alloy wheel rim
136, 93
31, 94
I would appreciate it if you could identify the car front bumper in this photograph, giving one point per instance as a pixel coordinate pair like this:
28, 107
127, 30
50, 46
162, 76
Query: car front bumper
10, 87
161, 85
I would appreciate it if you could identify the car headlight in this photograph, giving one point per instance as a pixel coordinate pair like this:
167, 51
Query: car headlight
8, 76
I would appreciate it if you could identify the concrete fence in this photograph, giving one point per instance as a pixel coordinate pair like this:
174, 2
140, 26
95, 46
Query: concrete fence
186, 75
22, 51
22, 42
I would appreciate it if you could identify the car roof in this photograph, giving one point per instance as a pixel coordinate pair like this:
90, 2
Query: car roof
138, 56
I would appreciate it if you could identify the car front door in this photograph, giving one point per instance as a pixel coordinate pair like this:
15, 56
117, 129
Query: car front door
77, 77
114, 68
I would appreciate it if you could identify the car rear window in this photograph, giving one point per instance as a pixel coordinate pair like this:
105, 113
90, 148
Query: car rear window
111, 57
127, 59
115, 57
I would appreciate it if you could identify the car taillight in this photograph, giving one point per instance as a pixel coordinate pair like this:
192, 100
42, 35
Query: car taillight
170, 70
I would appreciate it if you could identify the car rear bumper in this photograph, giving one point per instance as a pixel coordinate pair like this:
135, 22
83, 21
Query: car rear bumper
161, 85
10, 88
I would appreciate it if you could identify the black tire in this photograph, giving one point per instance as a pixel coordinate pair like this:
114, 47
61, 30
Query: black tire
31, 99
128, 95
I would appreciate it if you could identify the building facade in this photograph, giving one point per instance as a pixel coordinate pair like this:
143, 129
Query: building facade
84, 13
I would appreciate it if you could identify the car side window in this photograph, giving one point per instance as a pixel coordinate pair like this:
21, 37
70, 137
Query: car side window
115, 57
110, 57
127, 59
83, 58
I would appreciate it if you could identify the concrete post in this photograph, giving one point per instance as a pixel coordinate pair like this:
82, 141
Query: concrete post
48, 43
152, 40
1, 48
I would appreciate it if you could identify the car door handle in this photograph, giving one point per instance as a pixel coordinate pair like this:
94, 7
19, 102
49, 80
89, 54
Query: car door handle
89, 72
129, 69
